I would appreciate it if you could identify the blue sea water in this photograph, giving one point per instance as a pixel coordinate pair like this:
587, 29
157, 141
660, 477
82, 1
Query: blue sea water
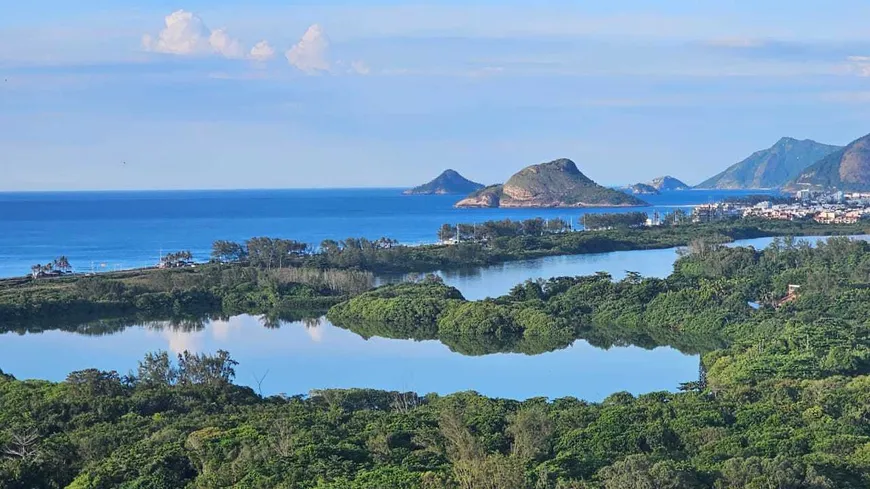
109, 230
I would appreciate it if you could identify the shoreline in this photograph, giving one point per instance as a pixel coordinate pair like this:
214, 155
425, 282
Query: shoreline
796, 229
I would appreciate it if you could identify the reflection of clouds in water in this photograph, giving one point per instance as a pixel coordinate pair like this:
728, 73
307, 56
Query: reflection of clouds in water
180, 341
311, 337
220, 330
183, 339
315, 330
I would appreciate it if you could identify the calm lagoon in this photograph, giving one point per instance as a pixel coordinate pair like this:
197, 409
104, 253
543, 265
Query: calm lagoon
300, 356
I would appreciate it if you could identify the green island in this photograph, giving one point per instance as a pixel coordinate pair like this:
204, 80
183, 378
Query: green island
781, 399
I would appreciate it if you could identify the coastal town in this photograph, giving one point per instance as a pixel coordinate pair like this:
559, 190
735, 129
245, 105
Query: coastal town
825, 208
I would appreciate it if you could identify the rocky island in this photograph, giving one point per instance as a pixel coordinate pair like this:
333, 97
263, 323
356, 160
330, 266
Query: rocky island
641, 189
448, 182
558, 183
668, 183
657, 185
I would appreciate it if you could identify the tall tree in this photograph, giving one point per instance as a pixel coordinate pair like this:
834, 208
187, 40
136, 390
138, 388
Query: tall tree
62, 263
227, 251
447, 232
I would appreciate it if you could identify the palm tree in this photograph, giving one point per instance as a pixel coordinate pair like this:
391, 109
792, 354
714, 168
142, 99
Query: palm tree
330, 246
172, 260
385, 243
62, 263
168, 260
36, 270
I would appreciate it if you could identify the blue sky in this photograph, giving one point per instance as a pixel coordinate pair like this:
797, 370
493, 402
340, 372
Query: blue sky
143, 95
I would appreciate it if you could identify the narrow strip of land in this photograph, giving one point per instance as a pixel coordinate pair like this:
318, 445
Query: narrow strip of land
277, 276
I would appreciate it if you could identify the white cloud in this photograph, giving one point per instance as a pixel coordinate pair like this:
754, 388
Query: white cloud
311, 53
846, 97
185, 34
224, 45
486, 71
859, 65
737, 42
360, 68
262, 51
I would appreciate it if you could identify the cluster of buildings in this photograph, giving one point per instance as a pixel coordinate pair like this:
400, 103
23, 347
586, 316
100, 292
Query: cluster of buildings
715, 212
831, 208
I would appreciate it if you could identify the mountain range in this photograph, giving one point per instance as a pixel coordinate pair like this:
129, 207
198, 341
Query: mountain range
558, 183
847, 169
790, 164
773, 167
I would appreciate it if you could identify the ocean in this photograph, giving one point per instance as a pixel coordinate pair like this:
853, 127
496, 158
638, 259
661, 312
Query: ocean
115, 230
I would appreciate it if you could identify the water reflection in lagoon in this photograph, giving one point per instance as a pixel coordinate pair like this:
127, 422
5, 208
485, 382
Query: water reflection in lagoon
498, 280
301, 356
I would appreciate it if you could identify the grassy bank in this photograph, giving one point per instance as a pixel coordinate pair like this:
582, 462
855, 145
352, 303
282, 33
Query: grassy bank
187, 293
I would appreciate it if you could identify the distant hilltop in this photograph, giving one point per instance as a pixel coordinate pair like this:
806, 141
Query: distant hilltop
847, 169
641, 189
773, 167
448, 182
558, 183
666, 183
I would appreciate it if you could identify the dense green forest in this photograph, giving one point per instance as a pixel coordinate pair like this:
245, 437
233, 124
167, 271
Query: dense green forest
782, 399
617, 219
703, 305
